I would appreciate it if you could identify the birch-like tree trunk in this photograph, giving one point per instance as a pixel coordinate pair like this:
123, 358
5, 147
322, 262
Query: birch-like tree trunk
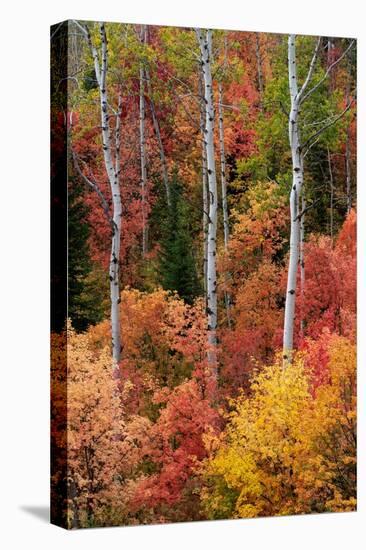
302, 259
205, 44
223, 170
142, 139
204, 186
298, 152
113, 172
204, 216
348, 144
297, 182
224, 191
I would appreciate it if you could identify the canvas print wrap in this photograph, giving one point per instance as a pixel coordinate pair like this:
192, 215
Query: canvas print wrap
203, 345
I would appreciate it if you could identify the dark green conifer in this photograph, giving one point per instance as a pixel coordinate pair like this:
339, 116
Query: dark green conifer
177, 267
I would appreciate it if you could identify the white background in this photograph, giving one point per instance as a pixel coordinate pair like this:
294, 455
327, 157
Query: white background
24, 273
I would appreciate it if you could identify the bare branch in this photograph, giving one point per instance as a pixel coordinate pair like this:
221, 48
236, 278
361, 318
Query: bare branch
310, 146
174, 77
311, 68
232, 107
327, 72
321, 130
300, 215
56, 30
83, 29
93, 185
73, 78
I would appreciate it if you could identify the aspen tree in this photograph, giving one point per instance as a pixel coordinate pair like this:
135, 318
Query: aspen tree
224, 190
113, 170
204, 200
299, 149
142, 138
205, 44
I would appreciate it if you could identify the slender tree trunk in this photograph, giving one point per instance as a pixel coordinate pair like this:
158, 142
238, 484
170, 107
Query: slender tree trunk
205, 43
259, 68
143, 149
302, 261
330, 47
331, 183
204, 187
113, 172
224, 192
348, 145
223, 170
204, 221
297, 182
348, 171
298, 151
204, 218
164, 168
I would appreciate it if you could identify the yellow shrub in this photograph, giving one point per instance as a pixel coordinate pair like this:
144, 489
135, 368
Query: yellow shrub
284, 450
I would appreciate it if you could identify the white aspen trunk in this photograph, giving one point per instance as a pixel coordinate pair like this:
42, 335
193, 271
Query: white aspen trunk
142, 138
223, 170
204, 218
302, 260
298, 97
259, 68
224, 192
204, 189
164, 168
297, 181
113, 172
205, 43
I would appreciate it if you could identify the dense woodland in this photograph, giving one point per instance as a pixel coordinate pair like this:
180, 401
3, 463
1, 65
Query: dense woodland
212, 275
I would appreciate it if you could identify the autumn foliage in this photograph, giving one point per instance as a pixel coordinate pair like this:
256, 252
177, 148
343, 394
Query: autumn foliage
287, 450
163, 434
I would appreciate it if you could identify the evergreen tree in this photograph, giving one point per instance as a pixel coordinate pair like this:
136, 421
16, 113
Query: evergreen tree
85, 292
177, 268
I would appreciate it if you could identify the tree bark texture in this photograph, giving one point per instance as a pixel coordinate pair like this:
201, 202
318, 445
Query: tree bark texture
142, 139
113, 172
296, 188
205, 44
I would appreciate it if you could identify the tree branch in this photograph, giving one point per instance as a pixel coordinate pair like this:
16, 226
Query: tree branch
311, 69
327, 72
93, 185
83, 29
321, 130
310, 146
300, 215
